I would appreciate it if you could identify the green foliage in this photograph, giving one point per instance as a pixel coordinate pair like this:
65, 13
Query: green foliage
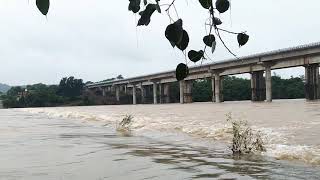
147, 13
209, 40
14, 91
206, 3
202, 91
134, 6
70, 87
292, 88
174, 33
182, 71
43, 6
222, 5
69, 92
242, 39
112, 79
235, 89
183, 44
119, 76
195, 56
178, 37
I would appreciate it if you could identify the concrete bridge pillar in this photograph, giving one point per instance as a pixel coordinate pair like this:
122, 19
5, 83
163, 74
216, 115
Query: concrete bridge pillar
155, 98
143, 94
104, 91
160, 93
185, 92
218, 88
117, 93
181, 85
187, 95
166, 93
268, 84
257, 86
213, 89
134, 97
312, 89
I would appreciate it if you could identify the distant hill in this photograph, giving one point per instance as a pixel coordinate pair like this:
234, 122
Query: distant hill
4, 88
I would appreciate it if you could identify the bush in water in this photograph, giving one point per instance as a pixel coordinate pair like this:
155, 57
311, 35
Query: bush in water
244, 140
125, 124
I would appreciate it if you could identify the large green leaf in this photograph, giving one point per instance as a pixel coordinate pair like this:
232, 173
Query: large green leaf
43, 6
206, 3
146, 14
195, 56
222, 5
208, 40
182, 71
174, 32
134, 5
183, 44
217, 21
242, 39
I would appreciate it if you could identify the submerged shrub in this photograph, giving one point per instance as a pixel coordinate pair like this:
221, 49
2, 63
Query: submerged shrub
244, 140
125, 124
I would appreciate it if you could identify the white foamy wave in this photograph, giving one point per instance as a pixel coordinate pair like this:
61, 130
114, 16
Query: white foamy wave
275, 139
307, 154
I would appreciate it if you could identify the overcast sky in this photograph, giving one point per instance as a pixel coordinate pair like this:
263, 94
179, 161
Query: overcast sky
98, 39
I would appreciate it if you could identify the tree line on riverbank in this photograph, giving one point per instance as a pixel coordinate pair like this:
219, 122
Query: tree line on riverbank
71, 92
236, 89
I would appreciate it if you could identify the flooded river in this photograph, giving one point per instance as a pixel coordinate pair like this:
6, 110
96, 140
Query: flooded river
172, 141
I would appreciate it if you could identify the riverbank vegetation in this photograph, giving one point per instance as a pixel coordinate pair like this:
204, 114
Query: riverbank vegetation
68, 92
236, 89
71, 92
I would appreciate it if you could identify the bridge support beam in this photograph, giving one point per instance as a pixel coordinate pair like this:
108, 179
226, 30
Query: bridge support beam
257, 86
134, 97
218, 88
160, 93
213, 89
181, 87
187, 91
268, 84
312, 89
155, 98
103, 91
117, 93
143, 94
166, 93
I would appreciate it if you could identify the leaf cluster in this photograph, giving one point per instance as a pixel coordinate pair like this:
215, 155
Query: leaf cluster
179, 37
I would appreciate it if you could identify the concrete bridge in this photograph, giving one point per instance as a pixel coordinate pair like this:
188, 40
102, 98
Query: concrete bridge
258, 65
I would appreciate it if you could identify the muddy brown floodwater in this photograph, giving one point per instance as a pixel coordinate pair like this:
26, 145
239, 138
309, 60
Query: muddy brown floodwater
170, 141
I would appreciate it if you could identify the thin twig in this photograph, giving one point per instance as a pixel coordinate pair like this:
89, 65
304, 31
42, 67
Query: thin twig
170, 5
227, 31
224, 44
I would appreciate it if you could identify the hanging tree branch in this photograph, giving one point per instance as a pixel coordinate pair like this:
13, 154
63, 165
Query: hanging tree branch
176, 35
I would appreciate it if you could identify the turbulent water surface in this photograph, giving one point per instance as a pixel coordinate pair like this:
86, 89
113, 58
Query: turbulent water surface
169, 141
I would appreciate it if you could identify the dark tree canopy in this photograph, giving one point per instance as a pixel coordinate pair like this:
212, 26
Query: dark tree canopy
70, 87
